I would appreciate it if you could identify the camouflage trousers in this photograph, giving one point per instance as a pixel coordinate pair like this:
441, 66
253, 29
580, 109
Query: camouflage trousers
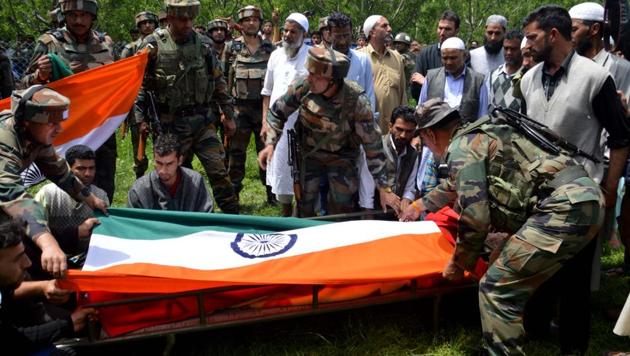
343, 178
561, 225
248, 122
106, 167
198, 136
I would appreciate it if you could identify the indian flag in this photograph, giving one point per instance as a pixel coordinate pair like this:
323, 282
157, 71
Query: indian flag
146, 251
100, 99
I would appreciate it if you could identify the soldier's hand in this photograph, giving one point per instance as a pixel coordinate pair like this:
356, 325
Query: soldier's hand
388, 198
54, 294
81, 316
229, 126
95, 203
404, 204
264, 156
452, 272
143, 128
53, 258
44, 68
418, 78
85, 229
412, 212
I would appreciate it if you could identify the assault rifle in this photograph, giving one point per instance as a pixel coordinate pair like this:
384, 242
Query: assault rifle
539, 133
295, 157
154, 122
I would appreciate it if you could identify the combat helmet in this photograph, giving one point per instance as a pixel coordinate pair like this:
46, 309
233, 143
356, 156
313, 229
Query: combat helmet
89, 6
182, 8
39, 104
217, 23
323, 24
327, 62
147, 16
249, 11
403, 38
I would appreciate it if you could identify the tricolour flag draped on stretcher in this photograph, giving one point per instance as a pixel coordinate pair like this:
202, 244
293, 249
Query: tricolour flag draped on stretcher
145, 251
100, 99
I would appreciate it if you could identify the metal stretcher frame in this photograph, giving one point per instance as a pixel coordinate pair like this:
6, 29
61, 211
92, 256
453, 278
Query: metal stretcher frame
237, 317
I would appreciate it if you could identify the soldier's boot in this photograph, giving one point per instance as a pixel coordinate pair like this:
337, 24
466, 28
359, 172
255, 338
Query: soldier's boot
287, 210
271, 198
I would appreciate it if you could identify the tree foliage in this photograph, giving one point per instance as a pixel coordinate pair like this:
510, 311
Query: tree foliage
416, 17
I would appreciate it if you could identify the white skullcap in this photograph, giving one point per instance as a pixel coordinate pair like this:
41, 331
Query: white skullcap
588, 11
453, 43
498, 19
523, 43
300, 19
369, 24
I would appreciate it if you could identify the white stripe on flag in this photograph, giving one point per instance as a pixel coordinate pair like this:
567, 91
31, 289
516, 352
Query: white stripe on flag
211, 250
96, 137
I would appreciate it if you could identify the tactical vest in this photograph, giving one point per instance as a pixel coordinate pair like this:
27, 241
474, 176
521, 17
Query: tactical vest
79, 56
517, 173
181, 73
469, 106
248, 69
327, 126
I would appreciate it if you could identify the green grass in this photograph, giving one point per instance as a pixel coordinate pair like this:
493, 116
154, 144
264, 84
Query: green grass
396, 329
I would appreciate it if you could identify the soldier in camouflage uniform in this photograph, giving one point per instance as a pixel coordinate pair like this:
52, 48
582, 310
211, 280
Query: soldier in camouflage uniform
26, 135
334, 119
146, 22
248, 56
324, 30
186, 79
217, 31
402, 41
499, 178
81, 48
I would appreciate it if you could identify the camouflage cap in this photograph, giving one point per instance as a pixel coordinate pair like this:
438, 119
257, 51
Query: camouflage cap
327, 62
217, 23
90, 6
146, 16
403, 38
432, 112
182, 8
323, 23
249, 11
162, 15
39, 104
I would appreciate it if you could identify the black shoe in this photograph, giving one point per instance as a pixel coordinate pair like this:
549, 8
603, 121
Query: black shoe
271, 198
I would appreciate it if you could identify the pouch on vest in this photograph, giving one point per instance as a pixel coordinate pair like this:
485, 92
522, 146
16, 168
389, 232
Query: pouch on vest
249, 83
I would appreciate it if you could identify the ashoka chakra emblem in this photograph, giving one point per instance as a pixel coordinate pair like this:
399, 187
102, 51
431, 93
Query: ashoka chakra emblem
262, 245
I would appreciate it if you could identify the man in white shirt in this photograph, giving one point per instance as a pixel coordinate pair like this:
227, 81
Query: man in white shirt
285, 64
489, 57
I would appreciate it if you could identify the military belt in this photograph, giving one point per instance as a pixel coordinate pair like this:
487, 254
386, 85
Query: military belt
567, 175
165, 115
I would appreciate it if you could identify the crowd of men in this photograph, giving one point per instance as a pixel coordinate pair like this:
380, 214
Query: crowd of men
335, 134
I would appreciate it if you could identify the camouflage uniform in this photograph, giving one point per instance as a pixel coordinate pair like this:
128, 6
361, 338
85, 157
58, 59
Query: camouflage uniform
409, 59
187, 81
546, 202
80, 57
130, 49
247, 72
17, 153
331, 131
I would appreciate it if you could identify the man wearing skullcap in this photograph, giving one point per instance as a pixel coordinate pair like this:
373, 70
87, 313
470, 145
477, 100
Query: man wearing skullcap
388, 68
458, 86
285, 64
27, 132
487, 58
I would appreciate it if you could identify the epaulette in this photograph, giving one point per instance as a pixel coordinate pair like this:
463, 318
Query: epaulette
267, 46
161, 34
236, 46
51, 36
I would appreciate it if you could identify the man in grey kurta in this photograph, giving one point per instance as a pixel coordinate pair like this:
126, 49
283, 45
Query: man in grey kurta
170, 186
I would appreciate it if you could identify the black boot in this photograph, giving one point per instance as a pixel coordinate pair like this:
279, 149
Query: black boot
271, 198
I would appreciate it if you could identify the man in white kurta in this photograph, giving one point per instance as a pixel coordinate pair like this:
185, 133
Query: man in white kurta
285, 64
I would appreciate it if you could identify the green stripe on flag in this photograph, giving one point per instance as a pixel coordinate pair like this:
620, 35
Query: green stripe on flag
141, 224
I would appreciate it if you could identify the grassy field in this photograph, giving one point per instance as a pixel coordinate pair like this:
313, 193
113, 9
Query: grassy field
397, 329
